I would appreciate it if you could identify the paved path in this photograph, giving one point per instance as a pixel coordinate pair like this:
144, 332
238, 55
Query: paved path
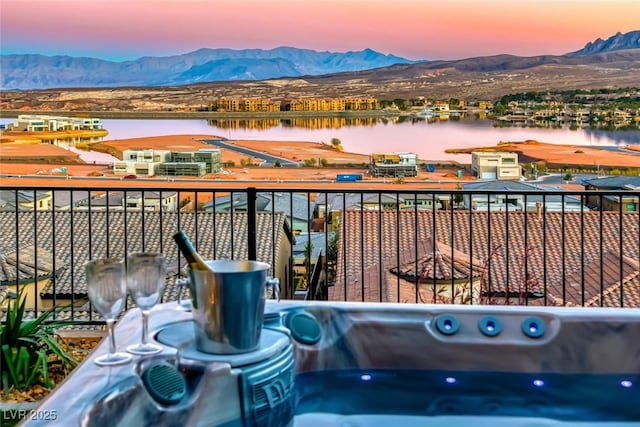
269, 160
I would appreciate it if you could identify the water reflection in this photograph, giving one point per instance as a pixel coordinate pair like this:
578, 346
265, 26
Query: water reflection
428, 138
301, 122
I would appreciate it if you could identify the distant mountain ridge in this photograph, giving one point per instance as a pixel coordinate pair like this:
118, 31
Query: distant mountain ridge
630, 40
31, 71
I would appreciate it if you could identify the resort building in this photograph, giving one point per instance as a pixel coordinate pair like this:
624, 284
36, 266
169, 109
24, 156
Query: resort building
42, 123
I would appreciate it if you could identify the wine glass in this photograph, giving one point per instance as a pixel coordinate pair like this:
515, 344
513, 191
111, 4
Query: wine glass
146, 275
181, 283
107, 289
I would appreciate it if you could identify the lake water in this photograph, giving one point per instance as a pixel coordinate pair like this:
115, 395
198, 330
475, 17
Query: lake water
428, 139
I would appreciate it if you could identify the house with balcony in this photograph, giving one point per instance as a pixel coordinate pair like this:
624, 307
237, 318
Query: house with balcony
495, 165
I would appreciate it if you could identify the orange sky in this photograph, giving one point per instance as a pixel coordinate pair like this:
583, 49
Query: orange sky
415, 29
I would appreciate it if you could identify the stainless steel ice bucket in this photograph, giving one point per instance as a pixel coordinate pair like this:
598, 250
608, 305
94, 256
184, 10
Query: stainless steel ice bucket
228, 305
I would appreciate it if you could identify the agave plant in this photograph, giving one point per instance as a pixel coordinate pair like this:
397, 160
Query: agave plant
28, 347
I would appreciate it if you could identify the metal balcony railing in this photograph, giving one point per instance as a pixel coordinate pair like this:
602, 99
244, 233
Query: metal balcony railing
577, 248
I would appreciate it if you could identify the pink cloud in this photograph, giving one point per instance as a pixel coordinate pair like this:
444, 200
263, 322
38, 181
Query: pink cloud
412, 28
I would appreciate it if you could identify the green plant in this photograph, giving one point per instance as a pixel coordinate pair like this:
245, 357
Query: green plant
28, 347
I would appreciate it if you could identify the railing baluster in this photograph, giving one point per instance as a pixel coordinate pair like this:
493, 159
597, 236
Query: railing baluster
620, 251
582, 287
72, 261
544, 249
35, 253
563, 253
251, 223
53, 251
601, 245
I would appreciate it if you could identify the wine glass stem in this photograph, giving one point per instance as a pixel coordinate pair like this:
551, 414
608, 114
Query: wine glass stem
112, 335
145, 326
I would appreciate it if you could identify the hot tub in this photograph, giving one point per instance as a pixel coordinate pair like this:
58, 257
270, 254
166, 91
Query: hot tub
357, 364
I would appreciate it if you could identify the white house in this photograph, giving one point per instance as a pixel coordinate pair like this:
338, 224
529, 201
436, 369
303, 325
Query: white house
495, 165
141, 162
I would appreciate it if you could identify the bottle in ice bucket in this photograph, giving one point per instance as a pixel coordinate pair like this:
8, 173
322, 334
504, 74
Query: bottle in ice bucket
195, 260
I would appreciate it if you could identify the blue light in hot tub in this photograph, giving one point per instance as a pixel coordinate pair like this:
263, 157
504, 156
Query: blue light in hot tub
450, 380
626, 383
366, 377
538, 383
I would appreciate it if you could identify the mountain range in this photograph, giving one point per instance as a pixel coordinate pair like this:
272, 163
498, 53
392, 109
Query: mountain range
31, 71
620, 41
227, 72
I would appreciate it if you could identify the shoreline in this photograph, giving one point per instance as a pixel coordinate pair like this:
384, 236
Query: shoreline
206, 114
20, 159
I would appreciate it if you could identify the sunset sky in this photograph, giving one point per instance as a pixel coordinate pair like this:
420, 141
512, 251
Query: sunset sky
415, 29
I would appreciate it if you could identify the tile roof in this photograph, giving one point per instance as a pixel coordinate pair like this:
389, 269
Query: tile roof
499, 184
299, 205
613, 182
26, 264
79, 236
509, 243
437, 262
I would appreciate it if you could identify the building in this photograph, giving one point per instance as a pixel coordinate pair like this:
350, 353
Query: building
297, 208
393, 164
155, 201
203, 161
513, 198
131, 201
43, 123
492, 257
495, 165
25, 200
311, 245
140, 162
30, 267
71, 200
613, 202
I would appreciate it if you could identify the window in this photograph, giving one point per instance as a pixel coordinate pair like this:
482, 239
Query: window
509, 160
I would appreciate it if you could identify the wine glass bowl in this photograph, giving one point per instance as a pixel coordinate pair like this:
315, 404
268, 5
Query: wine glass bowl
146, 275
107, 290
